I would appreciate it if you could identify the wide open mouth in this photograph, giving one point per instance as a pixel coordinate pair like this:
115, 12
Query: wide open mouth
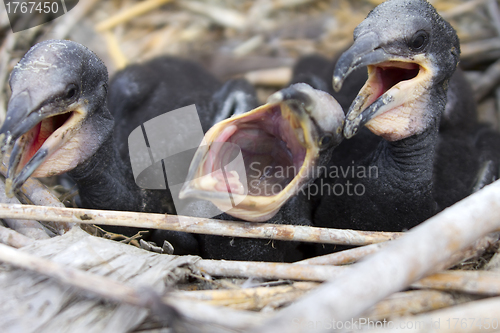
37, 136
390, 102
386, 75
272, 144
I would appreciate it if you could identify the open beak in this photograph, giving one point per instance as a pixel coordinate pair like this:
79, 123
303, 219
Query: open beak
31, 135
396, 85
251, 164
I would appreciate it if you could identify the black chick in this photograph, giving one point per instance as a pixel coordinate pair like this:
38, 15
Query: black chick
411, 54
58, 119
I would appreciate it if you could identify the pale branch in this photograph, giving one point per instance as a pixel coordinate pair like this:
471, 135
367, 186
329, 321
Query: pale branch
474, 282
476, 316
34, 192
13, 238
269, 270
126, 15
419, 253
344, 257
182, 313
196, 225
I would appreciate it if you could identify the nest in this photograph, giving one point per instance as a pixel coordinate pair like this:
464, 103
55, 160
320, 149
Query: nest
442, 275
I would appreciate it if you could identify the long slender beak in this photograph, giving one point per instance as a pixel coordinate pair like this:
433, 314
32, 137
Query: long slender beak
365, 51
19, 120
391, 78
21, 117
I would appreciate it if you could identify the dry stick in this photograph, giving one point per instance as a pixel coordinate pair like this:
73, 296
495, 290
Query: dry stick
222, 16
466, 7
110, 289
29, 228
488, 81
353, 255
126, 15
13, 238
472, 49
474, 282
196, 225
115, 51
247, 298
269, 270
408, 303
476, 316
34, 192
419, 253
275, 77
8, 44
69, 20
344, 257
494, 14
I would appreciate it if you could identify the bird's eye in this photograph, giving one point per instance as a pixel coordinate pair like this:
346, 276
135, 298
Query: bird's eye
419, 41
71, 91
325, 141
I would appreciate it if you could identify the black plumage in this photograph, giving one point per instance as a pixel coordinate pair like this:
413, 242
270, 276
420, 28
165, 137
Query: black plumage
298, 129
58, 119
413, 180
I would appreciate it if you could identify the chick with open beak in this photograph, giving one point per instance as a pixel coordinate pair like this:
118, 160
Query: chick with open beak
283, 143
411, 53
410, 59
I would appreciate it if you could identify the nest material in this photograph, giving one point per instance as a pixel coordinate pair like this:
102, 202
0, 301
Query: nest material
77, 282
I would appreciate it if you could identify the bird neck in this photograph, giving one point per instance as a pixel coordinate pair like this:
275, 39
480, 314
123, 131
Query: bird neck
103, 181
410, 160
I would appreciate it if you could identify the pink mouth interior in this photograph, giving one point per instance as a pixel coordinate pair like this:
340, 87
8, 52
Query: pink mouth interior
40, 133
271, 152
388, 74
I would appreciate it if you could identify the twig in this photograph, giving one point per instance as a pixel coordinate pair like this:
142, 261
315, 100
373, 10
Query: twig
470, 317
466, 7
263, 8
13, 238
248, 298
196, 225
275, 77
472, 49
344, 257
492, 6
114, 50
29, 228
419, 253
34, 192
69, 20
474, 282
8, 44
409, 303
121, 293
268, 270
353, 255
223, 16
487, 82
126, 15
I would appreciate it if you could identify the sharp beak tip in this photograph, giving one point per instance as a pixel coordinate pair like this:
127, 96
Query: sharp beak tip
350, 129
337, 83
275, 98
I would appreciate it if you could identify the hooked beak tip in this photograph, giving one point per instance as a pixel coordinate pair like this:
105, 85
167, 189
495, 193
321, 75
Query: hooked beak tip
337, 83
351, 127
275, 98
